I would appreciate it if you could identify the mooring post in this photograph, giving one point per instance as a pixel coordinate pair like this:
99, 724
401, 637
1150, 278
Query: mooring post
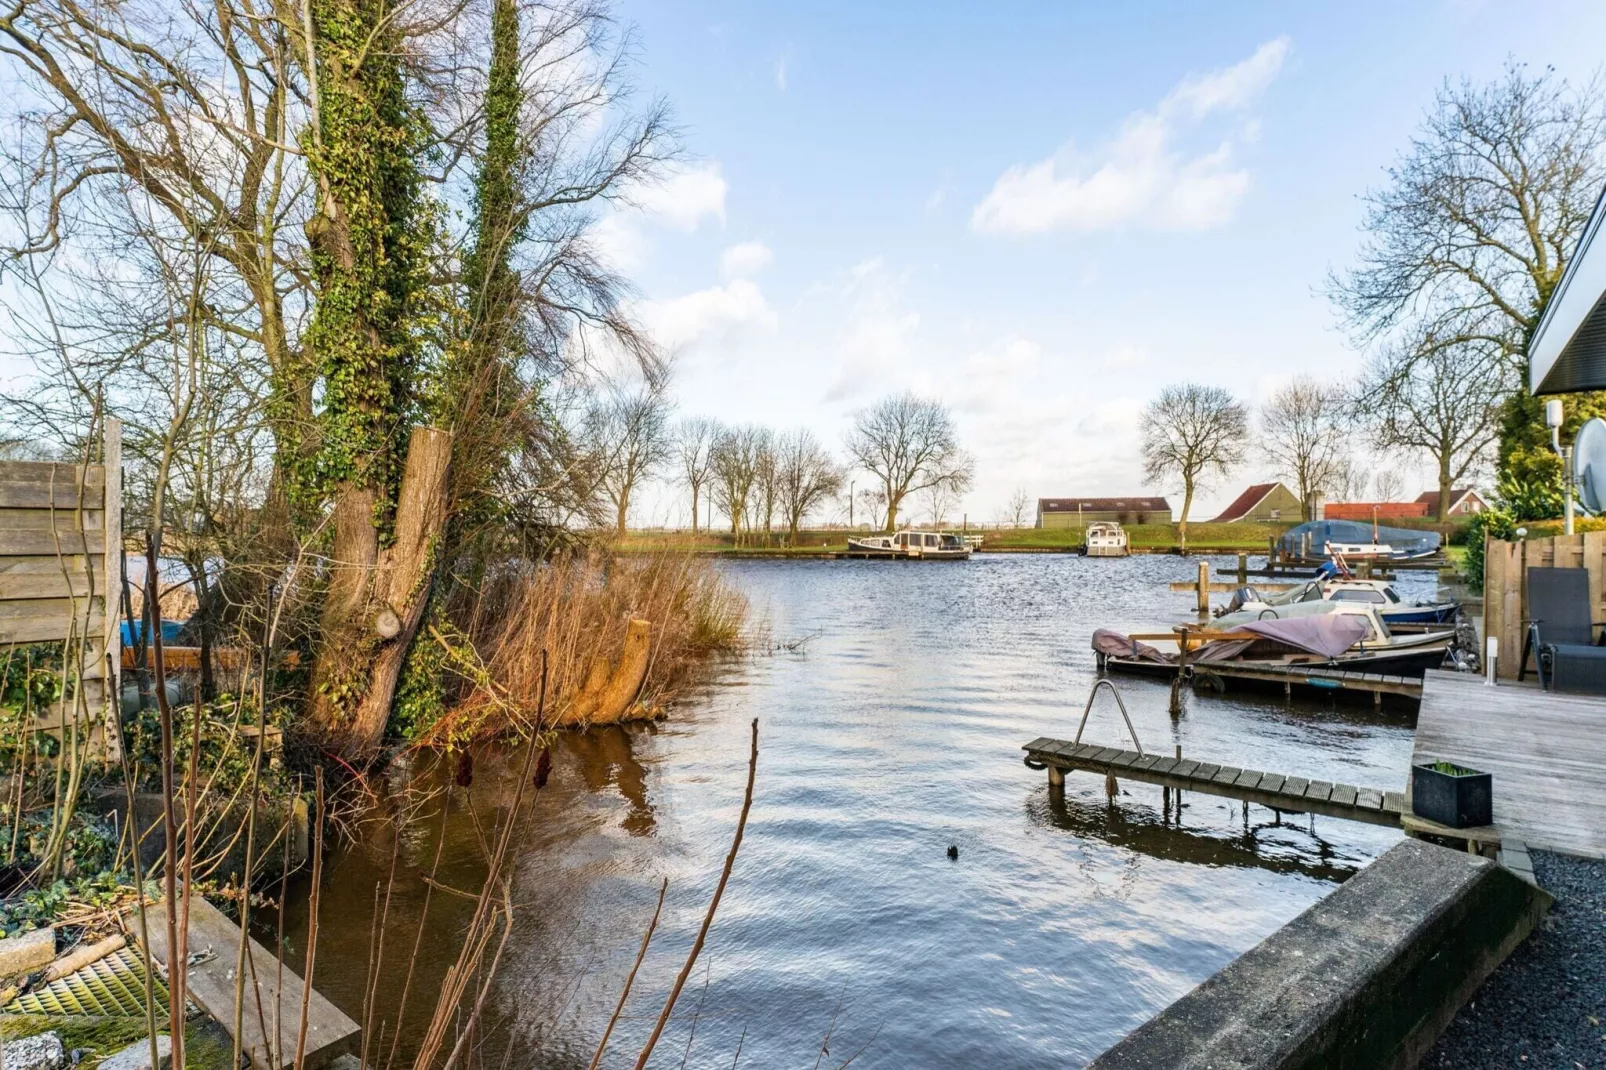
1056, 777
1110, 786
1243, 570
1204, 589
1182, 669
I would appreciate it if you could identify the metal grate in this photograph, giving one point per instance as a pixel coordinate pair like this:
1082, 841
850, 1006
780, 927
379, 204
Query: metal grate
114, 987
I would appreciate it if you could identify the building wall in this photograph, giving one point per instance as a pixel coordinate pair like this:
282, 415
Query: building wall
1124, 516
1281, 504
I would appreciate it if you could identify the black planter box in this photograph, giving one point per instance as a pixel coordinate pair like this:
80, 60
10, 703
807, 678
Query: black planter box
1461, 799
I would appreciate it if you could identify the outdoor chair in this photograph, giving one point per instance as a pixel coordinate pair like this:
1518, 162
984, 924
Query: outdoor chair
1565, 643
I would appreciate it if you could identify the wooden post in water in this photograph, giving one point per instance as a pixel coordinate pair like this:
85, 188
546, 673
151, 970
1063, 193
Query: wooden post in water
1243, 570
1056, 778
1204, 589
1182, 668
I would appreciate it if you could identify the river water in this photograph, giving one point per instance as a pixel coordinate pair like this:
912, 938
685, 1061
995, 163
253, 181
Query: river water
892, 706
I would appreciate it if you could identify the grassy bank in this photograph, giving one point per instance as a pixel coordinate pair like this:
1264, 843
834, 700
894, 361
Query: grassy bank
1145, 537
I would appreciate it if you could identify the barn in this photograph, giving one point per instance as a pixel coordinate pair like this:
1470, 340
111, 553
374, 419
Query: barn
1264, 502
1078, 512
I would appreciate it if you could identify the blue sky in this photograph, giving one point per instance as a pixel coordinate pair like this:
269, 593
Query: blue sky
1039, 215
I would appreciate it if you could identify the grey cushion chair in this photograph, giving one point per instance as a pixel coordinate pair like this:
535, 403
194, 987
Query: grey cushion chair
1565, 642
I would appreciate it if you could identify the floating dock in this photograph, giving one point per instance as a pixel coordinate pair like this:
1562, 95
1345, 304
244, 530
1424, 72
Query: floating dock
1275, 791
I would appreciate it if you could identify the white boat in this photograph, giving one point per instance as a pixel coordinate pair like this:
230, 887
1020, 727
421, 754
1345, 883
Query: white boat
1379, 593
1106, 539
924, 545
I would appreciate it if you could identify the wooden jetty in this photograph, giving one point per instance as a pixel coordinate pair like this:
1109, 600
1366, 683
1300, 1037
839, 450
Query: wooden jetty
1216, 674
1546, 751
269, 1039
1276, 791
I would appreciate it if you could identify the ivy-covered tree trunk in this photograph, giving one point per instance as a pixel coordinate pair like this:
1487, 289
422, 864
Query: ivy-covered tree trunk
368, 240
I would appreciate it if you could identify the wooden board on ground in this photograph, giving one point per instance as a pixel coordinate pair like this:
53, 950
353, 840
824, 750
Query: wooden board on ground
330, 1033
1546, 752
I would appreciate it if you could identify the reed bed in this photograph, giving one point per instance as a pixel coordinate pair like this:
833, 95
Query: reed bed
577, 608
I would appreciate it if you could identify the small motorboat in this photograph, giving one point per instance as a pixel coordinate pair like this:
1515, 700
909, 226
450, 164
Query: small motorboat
1106, 539
1325, 634
1379, 593
909, 544
1318, 541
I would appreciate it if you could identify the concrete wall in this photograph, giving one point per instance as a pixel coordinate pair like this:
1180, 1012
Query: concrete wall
1368, 977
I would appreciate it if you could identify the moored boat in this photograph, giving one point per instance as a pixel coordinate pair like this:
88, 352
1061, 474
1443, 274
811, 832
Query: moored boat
910, 544
1378, 593
1106, 539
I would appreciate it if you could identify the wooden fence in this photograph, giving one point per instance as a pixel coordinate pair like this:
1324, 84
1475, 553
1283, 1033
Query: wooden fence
1505, 584
59, 575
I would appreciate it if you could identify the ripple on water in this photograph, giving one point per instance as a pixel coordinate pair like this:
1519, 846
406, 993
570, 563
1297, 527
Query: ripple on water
893, 732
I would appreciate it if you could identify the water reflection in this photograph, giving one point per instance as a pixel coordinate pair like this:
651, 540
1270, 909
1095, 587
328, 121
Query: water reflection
1277, 845
892, 734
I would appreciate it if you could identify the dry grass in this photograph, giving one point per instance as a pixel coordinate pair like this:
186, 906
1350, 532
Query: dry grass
576, 608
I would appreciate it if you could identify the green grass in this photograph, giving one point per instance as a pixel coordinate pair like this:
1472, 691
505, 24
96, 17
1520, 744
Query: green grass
1241, 537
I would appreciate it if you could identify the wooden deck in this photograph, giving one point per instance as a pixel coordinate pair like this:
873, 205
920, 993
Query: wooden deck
268, 1040
1547, 752
1277, 791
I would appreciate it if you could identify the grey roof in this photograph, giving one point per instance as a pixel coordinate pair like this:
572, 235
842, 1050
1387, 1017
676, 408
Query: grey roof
1568, 350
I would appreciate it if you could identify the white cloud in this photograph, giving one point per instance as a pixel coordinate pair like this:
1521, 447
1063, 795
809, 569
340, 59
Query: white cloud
619, 241
1142, 178
684, 197
876, 345
708, 314
745, 259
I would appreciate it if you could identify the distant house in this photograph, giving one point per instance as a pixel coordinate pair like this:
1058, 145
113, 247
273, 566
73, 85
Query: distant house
1075, 512
1464, 501
1263, 501
1374, 510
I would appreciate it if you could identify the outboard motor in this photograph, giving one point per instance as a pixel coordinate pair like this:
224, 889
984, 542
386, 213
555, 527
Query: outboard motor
1240, 598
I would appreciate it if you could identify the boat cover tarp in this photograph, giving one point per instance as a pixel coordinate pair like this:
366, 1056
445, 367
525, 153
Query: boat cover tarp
1327, 635
1403, 541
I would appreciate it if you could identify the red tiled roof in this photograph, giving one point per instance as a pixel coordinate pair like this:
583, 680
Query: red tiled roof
1244, 502
1363, 510
1430, 498
1103, 505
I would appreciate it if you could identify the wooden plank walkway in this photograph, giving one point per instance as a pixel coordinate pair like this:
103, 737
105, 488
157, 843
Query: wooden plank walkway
214, 947
1276, 791
1322, 679
1547, 752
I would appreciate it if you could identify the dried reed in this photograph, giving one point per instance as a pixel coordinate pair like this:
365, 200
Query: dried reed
576, 608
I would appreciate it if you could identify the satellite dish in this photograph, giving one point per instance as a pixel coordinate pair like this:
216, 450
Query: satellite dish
1589, 465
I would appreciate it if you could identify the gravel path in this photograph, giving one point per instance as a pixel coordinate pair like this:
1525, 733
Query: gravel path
1545, 1007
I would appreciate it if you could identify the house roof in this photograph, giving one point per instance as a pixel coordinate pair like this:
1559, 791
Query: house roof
1103, 505
1567, 352
1246, 502
1431, 497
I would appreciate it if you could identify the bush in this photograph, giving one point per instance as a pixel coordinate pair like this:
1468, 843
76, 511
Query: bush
1516, 502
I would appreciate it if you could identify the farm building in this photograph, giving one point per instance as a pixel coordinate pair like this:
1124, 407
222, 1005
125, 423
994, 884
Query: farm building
1464, 501
1262, 502
1366, 511
1076, 512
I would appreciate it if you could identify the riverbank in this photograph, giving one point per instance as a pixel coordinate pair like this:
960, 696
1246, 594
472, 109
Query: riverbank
825, 542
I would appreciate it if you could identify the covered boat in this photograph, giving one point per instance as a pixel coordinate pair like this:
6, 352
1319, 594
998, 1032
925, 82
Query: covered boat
1321, 540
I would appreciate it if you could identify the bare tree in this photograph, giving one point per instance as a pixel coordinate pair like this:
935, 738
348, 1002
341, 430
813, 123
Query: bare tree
1191, 432
1302, 434
1018, 508
766, 489
629, 429
694, 457
1471, 232
1443, 401
735, 462
806, 476
1388, 485
910, 445
939, 501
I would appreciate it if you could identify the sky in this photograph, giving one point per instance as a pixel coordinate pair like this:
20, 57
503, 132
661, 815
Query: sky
1039, 215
